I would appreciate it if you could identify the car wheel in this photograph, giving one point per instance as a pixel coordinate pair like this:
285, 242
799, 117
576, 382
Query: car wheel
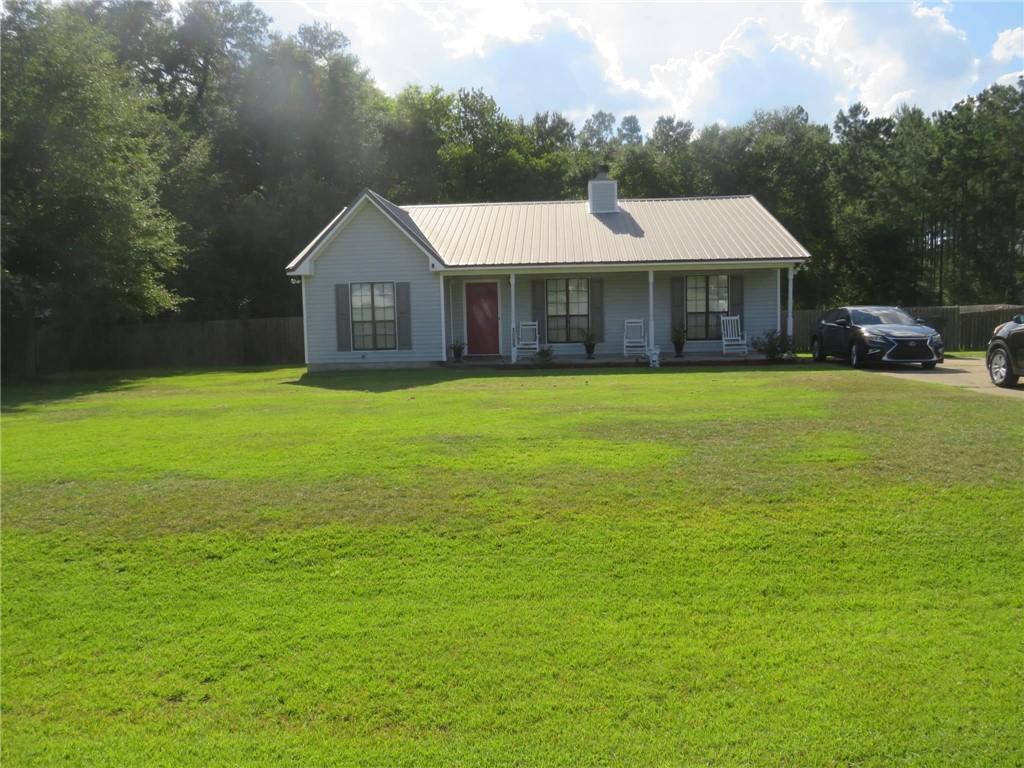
999, 369
928, 366
816, 351
856, 355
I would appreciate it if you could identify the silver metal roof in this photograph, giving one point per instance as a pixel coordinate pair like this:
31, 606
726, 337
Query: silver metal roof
698, 229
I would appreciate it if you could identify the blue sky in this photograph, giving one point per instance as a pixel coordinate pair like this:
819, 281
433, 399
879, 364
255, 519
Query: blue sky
706, 62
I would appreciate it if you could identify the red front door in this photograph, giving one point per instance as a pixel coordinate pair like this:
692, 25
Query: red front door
481, 318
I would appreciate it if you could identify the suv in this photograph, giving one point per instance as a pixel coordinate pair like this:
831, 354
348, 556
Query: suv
876, 334
1005, 356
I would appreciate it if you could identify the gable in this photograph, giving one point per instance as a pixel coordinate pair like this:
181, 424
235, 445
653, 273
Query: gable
384, 216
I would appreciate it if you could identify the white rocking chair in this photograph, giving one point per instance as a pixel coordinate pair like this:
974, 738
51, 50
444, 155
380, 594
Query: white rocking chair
634, 340
528, 338
733, 339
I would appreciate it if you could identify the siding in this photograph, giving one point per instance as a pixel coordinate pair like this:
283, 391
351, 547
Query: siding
372, 248
625, 297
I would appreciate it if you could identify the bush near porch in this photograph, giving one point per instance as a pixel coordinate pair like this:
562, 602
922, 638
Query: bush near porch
791, 566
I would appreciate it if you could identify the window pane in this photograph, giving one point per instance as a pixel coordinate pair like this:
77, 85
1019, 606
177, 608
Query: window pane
696, 294
556, 297
386, 338
695, 325
384, 301
362, 335
718, 293
361, 307
579, 300
557, 328
714, 326
578, 325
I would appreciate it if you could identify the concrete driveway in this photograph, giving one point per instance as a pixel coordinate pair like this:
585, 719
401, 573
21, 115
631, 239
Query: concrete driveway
967, 372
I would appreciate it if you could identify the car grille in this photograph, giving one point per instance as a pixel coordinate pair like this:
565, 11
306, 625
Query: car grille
904, 351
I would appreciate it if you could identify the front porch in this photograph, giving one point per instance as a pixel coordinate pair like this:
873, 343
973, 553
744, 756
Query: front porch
580, 360
484, 311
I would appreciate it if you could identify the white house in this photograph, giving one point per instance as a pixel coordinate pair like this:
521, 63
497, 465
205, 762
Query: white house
398, 284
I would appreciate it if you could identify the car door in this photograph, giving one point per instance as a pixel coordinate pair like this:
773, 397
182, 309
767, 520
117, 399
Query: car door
826, 330
1015, 341
838, 332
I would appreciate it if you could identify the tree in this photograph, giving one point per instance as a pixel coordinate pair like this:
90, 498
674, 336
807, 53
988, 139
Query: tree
629, 133
84, 236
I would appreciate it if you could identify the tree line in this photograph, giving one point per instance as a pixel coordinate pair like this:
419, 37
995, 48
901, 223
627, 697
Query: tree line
160, 159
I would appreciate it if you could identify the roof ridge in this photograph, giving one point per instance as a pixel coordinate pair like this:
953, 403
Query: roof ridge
567, 202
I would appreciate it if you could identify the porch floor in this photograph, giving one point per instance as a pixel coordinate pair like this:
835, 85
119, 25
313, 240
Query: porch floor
615, 361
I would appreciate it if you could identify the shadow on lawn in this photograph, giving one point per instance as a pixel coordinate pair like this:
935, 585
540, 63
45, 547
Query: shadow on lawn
396, 379
55, 387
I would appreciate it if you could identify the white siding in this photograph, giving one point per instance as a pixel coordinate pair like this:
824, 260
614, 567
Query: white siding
372, 248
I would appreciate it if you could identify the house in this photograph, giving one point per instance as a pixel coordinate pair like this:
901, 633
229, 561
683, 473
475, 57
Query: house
393, 284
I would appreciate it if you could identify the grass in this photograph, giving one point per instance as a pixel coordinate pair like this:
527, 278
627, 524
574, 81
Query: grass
793, 566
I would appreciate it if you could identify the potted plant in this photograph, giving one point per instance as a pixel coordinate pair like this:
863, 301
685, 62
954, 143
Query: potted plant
457, 347
679, 339
589, 342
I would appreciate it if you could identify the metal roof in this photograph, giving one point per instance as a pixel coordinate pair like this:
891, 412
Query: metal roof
698, 229
652, 231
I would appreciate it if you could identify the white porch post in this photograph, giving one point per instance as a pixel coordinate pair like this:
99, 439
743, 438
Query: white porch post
789, 304
512, 313
444, 335
650, 308
778, 299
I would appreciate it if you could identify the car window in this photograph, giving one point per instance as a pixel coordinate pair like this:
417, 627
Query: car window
842, 314
829, 317
882, 316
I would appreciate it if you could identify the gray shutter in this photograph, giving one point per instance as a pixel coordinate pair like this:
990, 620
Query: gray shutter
678, 302
404, 318
597, 308
342, 321
540, 311
736, 298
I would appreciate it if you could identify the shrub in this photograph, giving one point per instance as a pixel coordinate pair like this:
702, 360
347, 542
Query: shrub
544, 356
773, 345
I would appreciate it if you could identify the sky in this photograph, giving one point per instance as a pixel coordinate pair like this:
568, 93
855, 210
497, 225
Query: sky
701, 61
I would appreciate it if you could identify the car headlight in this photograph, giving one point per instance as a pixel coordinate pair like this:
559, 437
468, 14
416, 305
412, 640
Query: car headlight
936, 340
873, 338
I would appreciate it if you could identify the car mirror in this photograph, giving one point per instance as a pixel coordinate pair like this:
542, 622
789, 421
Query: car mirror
843, 322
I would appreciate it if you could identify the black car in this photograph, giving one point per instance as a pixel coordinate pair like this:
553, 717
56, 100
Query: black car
1005, 356
876, 334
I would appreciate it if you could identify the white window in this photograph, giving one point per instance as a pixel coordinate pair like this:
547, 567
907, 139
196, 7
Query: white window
568, 309
373, 316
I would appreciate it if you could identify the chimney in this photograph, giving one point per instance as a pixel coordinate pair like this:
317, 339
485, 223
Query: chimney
602, 192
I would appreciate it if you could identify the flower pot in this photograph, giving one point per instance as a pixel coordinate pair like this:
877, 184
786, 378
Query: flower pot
590, 350
679, 349
457, 354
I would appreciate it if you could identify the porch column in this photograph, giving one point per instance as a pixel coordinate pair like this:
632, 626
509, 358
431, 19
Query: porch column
789, 304
650, 308
512, 313
444, 335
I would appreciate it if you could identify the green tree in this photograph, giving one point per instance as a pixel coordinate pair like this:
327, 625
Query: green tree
85, 238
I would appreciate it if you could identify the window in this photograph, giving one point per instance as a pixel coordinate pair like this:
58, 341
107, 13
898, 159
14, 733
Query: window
373, 316
568, 309
707, 299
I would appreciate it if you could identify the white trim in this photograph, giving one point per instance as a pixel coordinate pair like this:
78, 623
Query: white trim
778, 300
582, 268
305, 322
789, 304
444, 338
650, 308
465, 314
513, 352
337, 225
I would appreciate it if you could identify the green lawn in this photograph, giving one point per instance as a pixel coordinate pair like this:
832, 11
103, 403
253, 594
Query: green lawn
797, 566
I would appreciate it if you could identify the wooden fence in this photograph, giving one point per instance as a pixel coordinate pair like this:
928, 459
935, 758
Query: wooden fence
209, 344
961, 327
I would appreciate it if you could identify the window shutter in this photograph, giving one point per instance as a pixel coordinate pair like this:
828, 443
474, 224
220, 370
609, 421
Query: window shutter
597, 308
678, 302
403, 315
736, 297
540, 309
342, 317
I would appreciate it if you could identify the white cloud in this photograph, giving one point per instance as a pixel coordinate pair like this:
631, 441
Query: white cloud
700, 61
1009, 45
1010, 78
